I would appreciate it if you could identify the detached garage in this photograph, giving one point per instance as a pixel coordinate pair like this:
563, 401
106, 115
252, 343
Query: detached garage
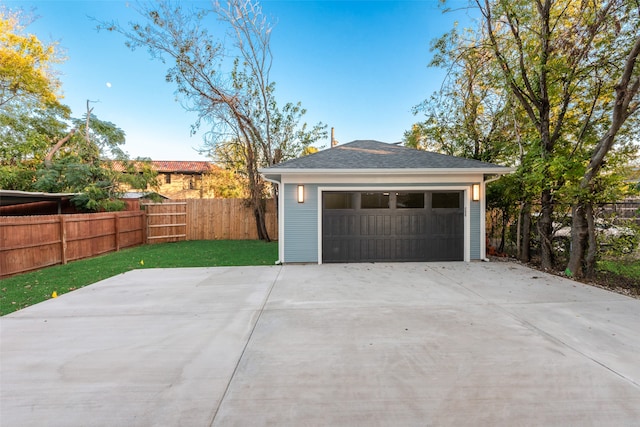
368, 201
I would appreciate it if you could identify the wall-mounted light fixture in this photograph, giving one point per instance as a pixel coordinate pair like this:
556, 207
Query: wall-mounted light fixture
475, 192
300, 193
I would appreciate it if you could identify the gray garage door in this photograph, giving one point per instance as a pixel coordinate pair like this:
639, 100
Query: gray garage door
392, 226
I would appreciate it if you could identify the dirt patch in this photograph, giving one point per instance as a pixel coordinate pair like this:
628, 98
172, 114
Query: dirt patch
616, 283
604, 279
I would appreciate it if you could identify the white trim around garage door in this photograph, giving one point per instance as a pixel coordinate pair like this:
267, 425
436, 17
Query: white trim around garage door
467, 213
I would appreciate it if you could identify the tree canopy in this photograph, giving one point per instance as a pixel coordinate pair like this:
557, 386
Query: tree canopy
26, 72
219, 60
552, 85
44, 148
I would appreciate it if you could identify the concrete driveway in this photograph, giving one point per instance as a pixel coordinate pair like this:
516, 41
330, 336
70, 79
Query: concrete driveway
304, 345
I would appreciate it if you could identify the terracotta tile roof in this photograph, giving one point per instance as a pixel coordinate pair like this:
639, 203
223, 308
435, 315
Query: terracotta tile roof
174, 166
182, 166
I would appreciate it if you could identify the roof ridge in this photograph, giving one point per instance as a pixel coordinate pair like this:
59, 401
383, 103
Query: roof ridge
371, 154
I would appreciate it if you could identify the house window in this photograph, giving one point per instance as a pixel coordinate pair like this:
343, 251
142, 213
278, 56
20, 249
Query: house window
192, 183
338, 200
167, 178
374, 201
445, 200
410, 200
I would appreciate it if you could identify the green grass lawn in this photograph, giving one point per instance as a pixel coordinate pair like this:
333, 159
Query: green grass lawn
630, 269
31, 288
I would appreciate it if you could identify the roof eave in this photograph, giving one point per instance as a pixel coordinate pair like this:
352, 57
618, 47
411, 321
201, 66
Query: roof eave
382, 171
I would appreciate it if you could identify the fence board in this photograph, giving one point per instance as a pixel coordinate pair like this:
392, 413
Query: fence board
33, 242
226, 219
166, 222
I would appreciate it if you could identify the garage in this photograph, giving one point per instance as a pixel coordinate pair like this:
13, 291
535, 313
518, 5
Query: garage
409, 226
369, 201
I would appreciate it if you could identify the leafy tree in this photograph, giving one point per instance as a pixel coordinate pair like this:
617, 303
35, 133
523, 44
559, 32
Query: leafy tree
571, 69
38, 151
30, 112
474, 116
309, 149
237, 100
85, 165
230, 156
563, 60
624, 105
471, 115
25, 64
417, 138
225, 184
231, 180
32, 161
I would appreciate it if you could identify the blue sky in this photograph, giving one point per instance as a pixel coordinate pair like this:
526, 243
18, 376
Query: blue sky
357, 66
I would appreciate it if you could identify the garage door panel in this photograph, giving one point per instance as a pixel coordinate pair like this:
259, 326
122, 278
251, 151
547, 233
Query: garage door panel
387, 225
394, 234
375, 225
407, 249
340, 225
340, 250
367, 249
445, 249
447, 235
446, 223
376, 249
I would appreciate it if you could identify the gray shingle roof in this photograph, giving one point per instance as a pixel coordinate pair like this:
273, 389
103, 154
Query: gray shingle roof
366, 154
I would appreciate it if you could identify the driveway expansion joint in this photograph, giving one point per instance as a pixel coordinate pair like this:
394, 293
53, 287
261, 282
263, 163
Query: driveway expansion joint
246, 344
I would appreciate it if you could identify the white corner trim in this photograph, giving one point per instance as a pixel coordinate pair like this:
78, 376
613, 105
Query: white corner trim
319, 215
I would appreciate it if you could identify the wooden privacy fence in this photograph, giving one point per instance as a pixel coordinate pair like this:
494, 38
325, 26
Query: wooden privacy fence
32, 242
206, 219
166, 222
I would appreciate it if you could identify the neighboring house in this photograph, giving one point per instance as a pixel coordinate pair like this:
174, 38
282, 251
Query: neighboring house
368, 201
180, 179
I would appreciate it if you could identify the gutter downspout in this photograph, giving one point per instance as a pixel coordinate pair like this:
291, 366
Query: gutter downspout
280, 220
483, 217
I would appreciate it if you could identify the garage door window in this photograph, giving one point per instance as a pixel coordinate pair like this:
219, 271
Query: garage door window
338, 200
374, 201
445, 200
410, 200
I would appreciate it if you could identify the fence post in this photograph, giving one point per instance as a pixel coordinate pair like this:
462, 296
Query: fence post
63, 239
145, 226
116, 220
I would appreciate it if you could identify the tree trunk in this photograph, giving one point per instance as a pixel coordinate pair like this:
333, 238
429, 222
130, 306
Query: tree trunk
545, 229
257, 203
505, 220
592, 248
261, 225
48, 158
525, 243
255, 191
579, 232
519, 231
